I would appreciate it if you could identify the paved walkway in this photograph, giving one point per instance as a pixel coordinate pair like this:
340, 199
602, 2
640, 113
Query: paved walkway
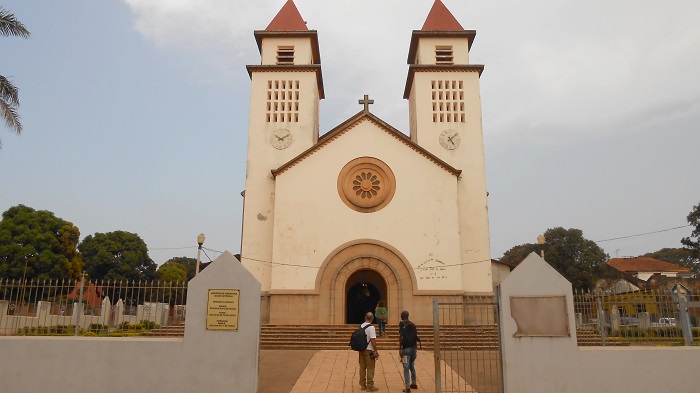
338, 371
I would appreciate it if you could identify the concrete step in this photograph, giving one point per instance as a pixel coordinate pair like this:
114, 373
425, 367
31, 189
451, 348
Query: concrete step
167, 331
337, 337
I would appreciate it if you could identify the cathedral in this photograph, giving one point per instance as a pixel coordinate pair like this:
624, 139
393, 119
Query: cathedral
333, 223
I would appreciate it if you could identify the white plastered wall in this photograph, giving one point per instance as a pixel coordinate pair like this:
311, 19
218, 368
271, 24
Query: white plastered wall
426, 49
302, 49
556, 364
311, 220
647, 275
202, 361
258, 214
475, 250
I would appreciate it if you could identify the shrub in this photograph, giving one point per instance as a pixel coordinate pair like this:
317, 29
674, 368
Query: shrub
62, 330
123, 334
96, 327
148, 325
90, 334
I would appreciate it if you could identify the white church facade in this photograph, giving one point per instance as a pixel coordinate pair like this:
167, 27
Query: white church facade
334, 223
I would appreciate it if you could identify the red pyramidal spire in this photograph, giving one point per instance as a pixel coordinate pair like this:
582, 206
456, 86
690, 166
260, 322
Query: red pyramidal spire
287, 19
441, 19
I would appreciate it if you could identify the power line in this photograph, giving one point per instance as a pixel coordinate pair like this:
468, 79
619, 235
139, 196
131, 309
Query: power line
212, 250
318, 267
170, 248
279, 263
308, 266
642, 234
273, 264
205, 253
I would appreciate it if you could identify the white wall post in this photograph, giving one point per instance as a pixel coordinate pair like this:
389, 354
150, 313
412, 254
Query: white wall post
4, 305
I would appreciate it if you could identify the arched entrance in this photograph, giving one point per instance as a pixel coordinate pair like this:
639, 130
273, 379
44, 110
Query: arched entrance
360, 261
363, 290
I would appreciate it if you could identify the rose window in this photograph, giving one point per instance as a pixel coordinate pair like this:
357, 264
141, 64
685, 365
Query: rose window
366, 184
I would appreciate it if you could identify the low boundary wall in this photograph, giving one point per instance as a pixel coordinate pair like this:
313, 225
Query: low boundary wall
539, 347
203, 361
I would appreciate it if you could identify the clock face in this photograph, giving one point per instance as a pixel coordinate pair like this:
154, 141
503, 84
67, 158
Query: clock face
450, 139
281, 139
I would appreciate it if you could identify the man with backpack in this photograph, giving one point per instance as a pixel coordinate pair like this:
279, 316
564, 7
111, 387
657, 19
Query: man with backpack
363, 340
408, 339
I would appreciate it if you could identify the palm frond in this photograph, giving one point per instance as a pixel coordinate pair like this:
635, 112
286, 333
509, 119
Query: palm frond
9, 92
10, 26
8, 113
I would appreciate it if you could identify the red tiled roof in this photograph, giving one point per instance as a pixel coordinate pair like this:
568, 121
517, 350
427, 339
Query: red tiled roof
288, 19
644, 264
441, 19
90, 294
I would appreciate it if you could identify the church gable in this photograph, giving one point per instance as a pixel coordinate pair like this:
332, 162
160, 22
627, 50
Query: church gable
364, 206
380, 126
364, 184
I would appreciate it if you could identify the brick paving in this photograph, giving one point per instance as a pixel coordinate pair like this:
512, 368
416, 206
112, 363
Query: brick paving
338, 371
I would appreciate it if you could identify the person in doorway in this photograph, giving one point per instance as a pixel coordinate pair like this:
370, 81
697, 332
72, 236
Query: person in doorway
408, 339
382, 315
368, 356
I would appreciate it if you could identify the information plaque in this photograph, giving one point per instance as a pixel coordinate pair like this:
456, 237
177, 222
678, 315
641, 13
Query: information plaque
222, 309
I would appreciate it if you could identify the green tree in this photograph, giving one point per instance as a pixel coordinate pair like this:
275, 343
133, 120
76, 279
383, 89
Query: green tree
37, 244
677, 256
566, 250
9, 94
117, 255
190, 265
517, 253
172, 272
692, 242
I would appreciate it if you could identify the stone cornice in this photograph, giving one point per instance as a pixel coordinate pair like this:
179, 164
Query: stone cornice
291, 68
417, 34
413, 68
316, 53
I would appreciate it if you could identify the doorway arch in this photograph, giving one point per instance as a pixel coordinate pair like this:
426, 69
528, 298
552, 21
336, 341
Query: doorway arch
341, 265
363, 290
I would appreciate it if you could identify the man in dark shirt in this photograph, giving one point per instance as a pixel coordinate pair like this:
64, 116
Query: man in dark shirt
408, 339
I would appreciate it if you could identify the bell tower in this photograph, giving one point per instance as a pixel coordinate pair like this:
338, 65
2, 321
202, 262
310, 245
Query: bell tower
284, 108
442, 89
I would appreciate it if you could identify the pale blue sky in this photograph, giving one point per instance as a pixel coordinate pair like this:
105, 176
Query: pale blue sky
135, 112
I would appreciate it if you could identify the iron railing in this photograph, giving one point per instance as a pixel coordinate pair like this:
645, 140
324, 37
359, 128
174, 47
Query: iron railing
642, 317
36, 307
467, 345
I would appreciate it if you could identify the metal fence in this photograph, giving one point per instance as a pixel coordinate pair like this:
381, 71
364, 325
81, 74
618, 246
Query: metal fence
643, 317
63, 307
467, 346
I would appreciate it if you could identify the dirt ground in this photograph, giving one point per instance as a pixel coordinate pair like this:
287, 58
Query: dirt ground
279, 370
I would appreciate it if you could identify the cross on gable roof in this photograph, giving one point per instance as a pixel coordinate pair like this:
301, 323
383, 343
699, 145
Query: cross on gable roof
288, 19
441, 19
366, 102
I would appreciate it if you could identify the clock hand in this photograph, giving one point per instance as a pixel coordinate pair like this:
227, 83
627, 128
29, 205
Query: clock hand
284, 137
